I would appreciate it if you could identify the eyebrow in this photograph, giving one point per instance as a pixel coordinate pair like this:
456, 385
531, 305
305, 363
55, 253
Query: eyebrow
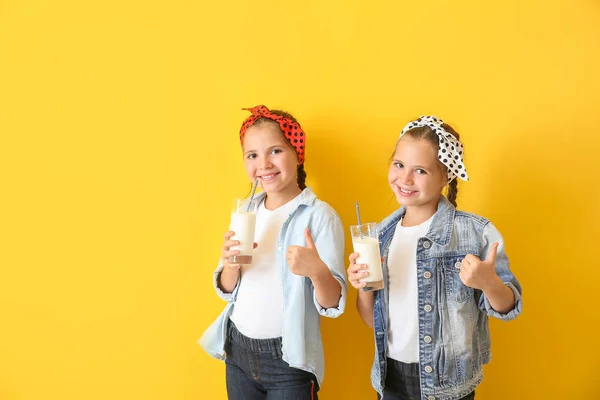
413, 166
269, 149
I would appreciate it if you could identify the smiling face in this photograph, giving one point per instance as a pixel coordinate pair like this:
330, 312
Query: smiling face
270, 158
416, 176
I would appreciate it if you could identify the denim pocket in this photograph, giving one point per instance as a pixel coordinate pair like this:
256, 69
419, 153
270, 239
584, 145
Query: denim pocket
304, 391
456, 290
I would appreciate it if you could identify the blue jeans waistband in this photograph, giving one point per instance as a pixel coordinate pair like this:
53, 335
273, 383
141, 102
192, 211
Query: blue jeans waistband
405, 369
255, 345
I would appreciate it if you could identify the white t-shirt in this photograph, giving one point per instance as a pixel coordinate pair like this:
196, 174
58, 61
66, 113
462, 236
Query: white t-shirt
258, 310
403, 332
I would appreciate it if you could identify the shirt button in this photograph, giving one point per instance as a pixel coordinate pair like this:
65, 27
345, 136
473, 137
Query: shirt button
427, 274
426, 244
428, 308
427, 339
279, 248
430, 398
457, 264
428, 369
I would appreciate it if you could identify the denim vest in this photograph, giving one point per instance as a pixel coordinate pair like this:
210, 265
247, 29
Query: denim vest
454, 336
301, 340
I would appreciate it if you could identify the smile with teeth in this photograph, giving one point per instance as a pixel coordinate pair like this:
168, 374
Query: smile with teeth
268, 177
406, 191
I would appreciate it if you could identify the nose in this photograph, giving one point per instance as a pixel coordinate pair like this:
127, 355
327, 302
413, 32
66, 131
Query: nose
264, 163
405, 177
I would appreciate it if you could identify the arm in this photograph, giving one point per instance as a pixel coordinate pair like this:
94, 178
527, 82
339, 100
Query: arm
227, 280
500, 296
364, 300
364, 305
227, 276
328, 290
330, 298
501, 290
322, 262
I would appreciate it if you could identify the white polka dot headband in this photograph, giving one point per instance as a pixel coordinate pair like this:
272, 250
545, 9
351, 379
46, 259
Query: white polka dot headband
450, 148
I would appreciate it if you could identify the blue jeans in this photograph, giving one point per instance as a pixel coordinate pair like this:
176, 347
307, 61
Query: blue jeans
255, 370
402, 382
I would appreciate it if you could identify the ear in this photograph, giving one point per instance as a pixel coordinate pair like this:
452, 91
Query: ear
444, 177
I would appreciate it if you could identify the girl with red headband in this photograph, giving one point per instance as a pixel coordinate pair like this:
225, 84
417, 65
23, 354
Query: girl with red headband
269, 333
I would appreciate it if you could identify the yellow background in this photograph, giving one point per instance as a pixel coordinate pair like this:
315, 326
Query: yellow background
119, 157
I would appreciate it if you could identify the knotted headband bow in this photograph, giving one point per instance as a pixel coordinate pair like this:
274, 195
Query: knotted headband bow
292, 131
450, 148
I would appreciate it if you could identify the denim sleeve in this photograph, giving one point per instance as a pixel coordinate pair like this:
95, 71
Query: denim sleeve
330, 246
229, 297
490, 236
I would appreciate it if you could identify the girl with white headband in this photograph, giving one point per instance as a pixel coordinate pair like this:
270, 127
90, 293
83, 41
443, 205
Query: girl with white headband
445, 272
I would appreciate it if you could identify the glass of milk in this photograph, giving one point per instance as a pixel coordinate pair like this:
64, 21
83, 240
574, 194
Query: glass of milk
366, 244
243, 219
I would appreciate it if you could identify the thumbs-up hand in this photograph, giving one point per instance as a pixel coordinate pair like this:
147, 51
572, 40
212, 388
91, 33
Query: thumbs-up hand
305, 261
479, 274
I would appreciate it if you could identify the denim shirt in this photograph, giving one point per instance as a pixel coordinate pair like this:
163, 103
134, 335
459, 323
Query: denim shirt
301, 334
454, 336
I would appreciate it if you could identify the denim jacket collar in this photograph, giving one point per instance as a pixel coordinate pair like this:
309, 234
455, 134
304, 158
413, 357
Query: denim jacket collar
440, 230
306, 198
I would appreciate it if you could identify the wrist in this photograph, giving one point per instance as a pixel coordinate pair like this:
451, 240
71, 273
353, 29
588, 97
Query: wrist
493, 284
321, 273
229, 274
366, 295
229, 270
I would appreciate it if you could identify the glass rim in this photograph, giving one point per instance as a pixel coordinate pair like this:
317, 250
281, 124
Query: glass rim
365, 224
237, 203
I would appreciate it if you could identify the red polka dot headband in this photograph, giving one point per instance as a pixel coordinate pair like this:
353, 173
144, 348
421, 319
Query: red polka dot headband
292, 131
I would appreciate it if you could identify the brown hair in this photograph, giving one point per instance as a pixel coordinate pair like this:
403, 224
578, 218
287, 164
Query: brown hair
300, 171
426, 133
